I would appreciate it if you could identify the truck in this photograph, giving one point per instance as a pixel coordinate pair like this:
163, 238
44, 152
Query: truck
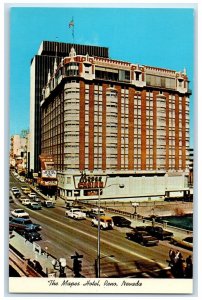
159, 232
48, 203
142, 237
105, 222
75, 213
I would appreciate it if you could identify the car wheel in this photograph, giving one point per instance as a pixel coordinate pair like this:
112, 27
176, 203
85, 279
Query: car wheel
129, 238
142, 243
101, 228
92, 224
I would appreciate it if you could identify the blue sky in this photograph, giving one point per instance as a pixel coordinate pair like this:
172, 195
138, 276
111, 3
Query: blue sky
156, 37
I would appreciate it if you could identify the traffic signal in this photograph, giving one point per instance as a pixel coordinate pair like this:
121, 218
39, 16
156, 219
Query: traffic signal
77, 266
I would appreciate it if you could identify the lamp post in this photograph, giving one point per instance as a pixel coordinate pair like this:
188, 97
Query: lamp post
98, 233
60, 264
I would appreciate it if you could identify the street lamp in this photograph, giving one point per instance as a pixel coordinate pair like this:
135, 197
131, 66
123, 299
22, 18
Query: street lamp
60, 264
98, 233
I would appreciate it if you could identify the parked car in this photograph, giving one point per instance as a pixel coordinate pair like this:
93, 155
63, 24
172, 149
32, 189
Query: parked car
24, 187
22, 179
34, 205
159, 232
32, 195
26, 201
19, 213
142, 237
26, 191
14, 188
48, 203
93, 212
30, 235
105, 222
16, 192
185, 243
22, 197
21, 224
37, 199
121, 221
75, 213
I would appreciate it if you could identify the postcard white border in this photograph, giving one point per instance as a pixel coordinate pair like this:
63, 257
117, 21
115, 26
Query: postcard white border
101, 286
150, 286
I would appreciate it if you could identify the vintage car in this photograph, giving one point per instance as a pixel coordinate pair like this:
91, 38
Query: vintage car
142, 237
121, 221
106, 222
19, 213
186, 242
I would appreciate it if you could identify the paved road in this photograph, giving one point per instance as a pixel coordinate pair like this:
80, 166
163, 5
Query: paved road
119, 256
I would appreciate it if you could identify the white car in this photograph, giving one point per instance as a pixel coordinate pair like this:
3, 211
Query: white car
14, 189
22, 179
75, 213
32, 195
26, 201
19, 213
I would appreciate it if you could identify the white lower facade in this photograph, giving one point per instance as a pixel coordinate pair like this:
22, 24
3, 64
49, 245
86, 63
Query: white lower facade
138, 186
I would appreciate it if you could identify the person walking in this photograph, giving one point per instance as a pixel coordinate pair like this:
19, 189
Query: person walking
189, 267
172, 255
178, 255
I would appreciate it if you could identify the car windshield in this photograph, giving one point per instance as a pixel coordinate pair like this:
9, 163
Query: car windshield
27, 222
19, 211
189, 239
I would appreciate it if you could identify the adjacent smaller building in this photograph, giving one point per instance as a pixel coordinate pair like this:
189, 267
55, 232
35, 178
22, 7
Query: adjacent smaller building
47, 179
19, 152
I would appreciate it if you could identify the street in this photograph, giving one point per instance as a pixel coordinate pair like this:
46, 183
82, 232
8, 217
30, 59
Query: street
119, 257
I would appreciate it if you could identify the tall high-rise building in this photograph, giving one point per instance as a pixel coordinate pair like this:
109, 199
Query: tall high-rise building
117, 118
41, 65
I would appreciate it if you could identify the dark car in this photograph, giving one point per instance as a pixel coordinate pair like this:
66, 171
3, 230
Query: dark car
93, 213
143, 238
17, 193
121, 221
31, 235
159, 232
35, 205
21, 224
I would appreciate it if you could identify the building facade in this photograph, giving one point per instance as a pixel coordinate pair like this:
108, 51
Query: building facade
19, 152
191, 167
41, 65
127, 122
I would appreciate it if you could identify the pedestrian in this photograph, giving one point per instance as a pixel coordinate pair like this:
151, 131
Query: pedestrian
189, 267
179, 265
37, 266
178, 256
172, 255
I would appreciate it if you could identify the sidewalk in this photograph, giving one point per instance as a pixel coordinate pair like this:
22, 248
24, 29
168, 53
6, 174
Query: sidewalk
33, 252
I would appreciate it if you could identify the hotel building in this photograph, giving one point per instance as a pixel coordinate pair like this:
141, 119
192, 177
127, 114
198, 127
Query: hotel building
118, 122
41, 64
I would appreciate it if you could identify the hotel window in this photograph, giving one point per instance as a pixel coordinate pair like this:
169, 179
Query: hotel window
87, 68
